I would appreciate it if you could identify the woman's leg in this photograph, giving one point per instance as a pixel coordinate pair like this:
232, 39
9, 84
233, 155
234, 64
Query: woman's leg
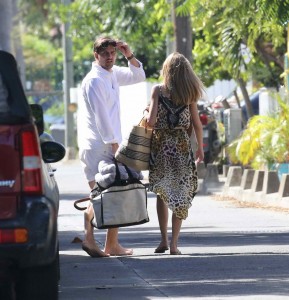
163, 214
176, 228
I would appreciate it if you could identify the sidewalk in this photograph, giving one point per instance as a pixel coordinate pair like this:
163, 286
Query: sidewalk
228, 252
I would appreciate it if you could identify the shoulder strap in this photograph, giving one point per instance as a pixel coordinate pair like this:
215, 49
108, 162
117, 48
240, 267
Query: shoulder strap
176, 111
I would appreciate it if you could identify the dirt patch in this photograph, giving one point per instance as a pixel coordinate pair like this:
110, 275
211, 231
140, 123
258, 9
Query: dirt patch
248, 204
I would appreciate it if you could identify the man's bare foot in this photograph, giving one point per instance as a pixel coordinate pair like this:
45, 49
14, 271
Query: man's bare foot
93, 250
118, 250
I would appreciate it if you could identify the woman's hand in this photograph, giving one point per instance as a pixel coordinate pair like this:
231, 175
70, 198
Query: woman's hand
199, 155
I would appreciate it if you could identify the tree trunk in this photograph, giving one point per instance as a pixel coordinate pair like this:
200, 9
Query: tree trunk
183, 34
5, 24
242, 84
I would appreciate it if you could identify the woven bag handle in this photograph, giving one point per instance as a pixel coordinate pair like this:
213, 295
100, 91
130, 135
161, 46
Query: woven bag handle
144, 124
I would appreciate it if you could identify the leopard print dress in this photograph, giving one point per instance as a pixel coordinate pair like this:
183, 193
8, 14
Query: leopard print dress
173, 173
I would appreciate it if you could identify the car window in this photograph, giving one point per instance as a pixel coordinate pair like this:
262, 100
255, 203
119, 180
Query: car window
4, 108
14, 107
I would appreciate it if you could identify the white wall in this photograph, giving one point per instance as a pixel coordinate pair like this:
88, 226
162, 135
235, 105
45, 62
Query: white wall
133, 100
267, 103
220, 87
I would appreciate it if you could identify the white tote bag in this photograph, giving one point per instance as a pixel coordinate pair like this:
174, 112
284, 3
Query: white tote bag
124, 203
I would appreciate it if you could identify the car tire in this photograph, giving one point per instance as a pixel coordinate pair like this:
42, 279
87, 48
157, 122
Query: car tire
39, 282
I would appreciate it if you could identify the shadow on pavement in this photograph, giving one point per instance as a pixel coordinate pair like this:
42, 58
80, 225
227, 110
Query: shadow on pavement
215, 275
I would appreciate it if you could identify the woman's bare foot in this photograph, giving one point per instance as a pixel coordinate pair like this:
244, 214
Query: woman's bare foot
174, 249
118, 250
93, 250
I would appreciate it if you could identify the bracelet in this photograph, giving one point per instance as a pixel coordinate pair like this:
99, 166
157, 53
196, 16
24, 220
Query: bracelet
130, 57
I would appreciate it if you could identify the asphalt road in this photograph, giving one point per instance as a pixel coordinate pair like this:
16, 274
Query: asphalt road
229, 252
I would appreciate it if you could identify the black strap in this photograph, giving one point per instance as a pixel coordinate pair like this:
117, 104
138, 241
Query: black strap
80, 201
177, 110
117, 175
97, 189
173, 115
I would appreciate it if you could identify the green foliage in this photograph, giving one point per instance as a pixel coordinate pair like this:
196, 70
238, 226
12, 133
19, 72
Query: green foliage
228, 26
125, 20
43, 60
57, 109
220, 30
265, 139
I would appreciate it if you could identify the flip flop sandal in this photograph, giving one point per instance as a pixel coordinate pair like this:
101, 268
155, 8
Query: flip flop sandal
178, 252
161, 249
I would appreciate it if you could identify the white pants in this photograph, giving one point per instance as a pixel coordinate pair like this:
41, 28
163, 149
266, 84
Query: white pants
90, 159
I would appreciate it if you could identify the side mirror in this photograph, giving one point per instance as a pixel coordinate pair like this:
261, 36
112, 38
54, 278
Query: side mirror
52, 151
37, 113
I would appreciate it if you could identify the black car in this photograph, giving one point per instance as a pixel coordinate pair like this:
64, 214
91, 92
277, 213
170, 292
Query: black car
29, 196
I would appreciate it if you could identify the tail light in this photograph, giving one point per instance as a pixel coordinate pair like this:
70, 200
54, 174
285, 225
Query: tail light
204, 119
31, 163
9, 236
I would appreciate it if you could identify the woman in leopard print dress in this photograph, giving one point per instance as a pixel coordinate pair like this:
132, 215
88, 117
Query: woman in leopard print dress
173, 113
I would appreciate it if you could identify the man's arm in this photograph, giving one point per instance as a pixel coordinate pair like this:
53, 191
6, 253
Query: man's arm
125, 50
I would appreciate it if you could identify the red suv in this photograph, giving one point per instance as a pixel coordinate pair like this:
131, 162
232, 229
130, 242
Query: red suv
29, 196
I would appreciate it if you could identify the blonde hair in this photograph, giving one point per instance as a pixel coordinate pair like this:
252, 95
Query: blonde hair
180, 80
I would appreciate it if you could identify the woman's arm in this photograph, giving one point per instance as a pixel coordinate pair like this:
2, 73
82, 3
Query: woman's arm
198, 129
151, 116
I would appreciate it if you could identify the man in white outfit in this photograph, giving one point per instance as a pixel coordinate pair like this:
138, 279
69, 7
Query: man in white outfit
99, 128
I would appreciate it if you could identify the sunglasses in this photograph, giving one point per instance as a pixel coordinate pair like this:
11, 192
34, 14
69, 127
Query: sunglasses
108, 43
104, 45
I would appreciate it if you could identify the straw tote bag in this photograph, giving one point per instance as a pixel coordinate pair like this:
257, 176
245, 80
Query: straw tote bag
134, 150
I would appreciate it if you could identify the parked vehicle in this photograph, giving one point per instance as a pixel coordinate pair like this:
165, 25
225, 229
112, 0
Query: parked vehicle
29, 196
211, 142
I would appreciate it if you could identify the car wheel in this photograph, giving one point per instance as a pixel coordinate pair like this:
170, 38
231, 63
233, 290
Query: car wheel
39, 282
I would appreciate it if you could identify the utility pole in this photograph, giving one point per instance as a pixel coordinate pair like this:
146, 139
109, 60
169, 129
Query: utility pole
183, 34
182, 39
170, 44
69, 134
16, 42
5, 25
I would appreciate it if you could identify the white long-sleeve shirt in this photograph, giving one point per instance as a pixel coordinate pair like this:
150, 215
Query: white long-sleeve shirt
98, 120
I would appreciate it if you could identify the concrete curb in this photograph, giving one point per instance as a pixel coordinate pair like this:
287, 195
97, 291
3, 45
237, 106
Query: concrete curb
257, 186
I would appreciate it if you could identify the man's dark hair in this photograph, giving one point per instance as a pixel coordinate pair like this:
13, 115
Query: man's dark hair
102, 43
